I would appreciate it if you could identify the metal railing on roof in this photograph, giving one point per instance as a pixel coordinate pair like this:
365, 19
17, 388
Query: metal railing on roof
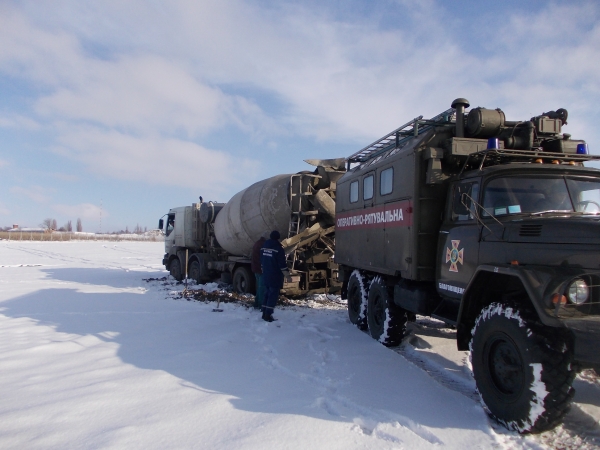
397, 137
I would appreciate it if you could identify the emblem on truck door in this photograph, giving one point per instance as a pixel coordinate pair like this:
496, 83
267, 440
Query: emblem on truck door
454, 255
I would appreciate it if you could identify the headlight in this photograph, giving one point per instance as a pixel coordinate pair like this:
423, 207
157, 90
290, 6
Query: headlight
578, 292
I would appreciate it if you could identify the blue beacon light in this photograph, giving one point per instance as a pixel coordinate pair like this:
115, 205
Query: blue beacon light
582, 149
492, 143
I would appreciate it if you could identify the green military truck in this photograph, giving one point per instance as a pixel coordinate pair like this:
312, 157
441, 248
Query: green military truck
492, 226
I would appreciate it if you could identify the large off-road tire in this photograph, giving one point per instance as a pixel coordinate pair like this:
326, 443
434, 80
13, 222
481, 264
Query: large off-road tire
175, 269
357, 300
523, 373
387, 321
244, 281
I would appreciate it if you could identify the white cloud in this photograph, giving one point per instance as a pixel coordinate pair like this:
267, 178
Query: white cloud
155, 159
18, 121
334, 78
36, 193
150, 69
36, 54
87, 211
547, 60
140, 94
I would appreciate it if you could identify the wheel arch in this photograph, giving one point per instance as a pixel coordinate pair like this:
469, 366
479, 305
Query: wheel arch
176, 255
491, 284
203, 259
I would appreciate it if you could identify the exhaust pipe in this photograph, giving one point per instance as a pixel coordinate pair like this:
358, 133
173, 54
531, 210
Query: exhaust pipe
460, 104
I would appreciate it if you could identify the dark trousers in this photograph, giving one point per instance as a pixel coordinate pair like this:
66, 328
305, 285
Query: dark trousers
270, 300
260, 291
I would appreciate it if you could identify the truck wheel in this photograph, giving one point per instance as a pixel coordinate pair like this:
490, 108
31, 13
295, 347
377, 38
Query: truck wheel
357, 300
195, 272
244, 281
387, 322
524, 377
175, 269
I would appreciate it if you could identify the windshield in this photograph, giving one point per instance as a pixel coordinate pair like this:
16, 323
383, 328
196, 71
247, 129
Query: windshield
530, 195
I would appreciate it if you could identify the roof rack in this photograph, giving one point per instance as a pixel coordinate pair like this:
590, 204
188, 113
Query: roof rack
536, 153
397, 137
504, 156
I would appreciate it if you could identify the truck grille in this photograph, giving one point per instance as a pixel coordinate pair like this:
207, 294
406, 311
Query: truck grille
530, 230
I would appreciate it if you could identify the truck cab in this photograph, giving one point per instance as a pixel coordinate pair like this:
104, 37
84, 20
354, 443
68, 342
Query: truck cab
186, 239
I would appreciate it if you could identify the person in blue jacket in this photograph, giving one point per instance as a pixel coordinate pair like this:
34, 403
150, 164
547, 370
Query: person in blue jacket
274, 269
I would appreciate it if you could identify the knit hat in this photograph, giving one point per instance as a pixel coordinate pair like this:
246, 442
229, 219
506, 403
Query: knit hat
275, 235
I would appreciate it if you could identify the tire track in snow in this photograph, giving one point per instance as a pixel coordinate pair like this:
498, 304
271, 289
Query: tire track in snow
438, 373
579, 431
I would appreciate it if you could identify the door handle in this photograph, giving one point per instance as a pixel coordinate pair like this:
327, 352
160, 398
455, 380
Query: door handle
444, 232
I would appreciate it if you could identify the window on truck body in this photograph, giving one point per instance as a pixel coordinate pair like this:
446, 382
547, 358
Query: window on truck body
386, 181
354, 191
368, 187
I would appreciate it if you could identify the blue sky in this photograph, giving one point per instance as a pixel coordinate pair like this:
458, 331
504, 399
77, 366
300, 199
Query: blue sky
124, 109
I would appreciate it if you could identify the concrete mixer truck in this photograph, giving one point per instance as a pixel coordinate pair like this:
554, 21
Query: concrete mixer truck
492, 226
210, 240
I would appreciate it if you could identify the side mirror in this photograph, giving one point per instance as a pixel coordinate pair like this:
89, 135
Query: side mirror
463, 207
161, 224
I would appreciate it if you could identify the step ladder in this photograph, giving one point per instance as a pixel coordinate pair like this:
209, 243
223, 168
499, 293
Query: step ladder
396, 138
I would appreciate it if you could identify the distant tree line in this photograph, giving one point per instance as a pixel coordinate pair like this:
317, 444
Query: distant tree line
50, 225
136, 230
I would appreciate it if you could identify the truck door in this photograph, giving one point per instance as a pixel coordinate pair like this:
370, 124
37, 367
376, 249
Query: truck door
372, 251
398, 219
169, 235
179, 227
458, 244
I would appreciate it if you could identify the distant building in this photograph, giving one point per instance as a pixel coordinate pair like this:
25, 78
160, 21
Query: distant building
27, 230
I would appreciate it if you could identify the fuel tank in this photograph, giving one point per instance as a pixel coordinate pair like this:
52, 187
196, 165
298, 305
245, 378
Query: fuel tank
263, 206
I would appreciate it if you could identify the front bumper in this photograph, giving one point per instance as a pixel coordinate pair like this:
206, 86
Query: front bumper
586, 333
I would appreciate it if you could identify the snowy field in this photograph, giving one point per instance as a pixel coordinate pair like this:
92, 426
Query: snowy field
93, 356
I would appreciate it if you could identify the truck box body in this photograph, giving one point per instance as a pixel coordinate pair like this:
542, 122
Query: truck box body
393, 233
